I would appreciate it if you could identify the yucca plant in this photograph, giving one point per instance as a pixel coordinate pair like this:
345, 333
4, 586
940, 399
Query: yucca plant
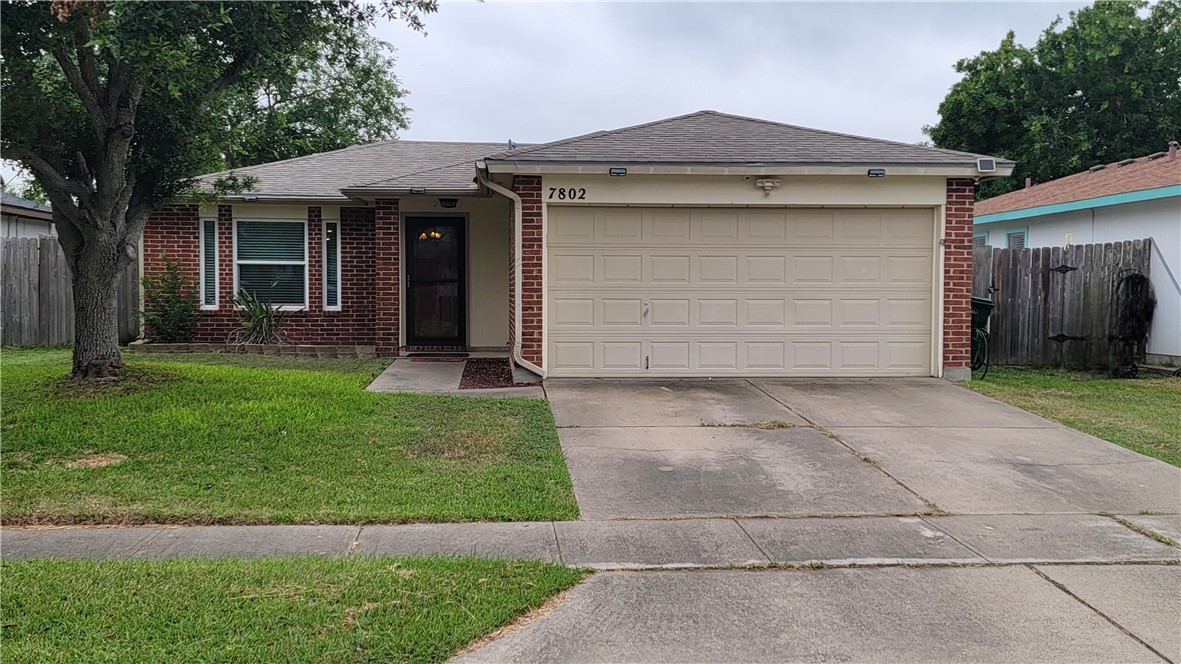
260, 322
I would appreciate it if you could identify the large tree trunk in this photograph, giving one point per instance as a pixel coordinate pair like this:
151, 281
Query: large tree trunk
96, 325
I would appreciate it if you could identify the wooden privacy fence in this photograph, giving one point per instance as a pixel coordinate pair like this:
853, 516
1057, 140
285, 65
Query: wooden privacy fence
1053, 304
36, 301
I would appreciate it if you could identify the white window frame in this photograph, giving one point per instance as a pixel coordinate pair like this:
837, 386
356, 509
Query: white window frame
306, 285
324, 264
1023, 231
216, 265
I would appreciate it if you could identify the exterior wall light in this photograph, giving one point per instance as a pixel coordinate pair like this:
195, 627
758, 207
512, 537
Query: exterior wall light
876, 172
448, 202
617, 172
249, 198
768, 185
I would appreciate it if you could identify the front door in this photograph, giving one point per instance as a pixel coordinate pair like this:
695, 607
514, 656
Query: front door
435, 281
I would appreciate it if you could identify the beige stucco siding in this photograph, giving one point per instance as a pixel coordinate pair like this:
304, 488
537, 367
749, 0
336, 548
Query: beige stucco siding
487, 262
741, 190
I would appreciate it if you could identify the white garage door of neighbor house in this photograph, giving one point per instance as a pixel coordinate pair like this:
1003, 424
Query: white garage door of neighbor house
739, 291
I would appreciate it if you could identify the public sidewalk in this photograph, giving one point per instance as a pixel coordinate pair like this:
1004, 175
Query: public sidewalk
637, 544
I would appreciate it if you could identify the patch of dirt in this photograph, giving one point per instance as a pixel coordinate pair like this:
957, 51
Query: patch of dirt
129, 381
478, 438
97, 461
488, 373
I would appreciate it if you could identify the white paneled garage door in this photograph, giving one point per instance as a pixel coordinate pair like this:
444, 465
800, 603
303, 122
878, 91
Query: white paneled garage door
750, 291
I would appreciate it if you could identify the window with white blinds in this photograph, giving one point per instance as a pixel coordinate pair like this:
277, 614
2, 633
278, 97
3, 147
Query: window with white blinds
208, 263
1016, 239
332, 265
270, 261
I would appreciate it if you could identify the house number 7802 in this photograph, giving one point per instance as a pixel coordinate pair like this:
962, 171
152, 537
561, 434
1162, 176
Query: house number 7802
567, 193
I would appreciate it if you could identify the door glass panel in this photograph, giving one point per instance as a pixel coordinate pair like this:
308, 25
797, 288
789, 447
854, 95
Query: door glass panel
436, 310
436, 253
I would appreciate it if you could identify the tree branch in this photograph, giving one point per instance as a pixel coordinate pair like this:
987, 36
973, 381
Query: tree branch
231, 75
87, 65
47, 175
98, 118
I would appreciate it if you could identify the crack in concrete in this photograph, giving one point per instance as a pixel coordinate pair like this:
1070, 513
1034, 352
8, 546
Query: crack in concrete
929, 503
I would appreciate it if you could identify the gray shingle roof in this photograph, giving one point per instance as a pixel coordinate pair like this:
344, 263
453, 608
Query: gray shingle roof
445, 165
8, 199
705, 137
710, 137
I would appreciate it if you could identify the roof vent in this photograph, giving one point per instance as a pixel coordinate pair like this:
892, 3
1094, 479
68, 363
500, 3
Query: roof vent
986, 165
1172, 150
1097, 168
1125, 162
511, 146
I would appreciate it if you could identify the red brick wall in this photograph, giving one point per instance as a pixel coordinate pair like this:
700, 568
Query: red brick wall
387, 272
528, 187
957, 274
175, 231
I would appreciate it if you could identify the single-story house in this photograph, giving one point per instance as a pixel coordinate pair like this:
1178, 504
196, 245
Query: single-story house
701, 245
24, 218
1129, 200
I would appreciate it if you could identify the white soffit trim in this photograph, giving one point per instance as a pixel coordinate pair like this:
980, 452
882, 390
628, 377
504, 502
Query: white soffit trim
519, 168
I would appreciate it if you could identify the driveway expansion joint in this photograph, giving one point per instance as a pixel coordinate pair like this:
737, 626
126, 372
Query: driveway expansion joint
1062, 587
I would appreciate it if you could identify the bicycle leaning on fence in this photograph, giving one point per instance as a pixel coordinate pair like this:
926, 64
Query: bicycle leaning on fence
981, 311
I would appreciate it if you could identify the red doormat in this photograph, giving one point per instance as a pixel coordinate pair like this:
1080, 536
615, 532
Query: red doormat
488, 373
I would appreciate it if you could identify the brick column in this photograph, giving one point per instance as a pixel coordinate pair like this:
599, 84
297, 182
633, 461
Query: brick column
387, 276
528, 187
315, 259
225, 258
957, 279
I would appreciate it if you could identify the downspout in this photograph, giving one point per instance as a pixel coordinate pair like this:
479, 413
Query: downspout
518, 248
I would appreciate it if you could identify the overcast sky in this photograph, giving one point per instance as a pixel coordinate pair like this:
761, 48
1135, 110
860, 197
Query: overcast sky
541, 71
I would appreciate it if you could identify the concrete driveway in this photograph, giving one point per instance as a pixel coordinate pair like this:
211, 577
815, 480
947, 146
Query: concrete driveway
794, 447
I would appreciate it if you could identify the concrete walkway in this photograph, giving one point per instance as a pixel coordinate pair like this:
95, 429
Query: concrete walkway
422, 376
928, 540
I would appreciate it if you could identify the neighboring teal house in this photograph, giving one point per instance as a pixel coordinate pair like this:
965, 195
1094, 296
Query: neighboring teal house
1129, 200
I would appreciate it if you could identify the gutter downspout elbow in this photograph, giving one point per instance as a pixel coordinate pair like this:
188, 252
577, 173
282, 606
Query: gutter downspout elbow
518, 248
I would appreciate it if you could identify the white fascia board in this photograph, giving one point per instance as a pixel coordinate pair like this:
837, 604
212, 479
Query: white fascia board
951, 171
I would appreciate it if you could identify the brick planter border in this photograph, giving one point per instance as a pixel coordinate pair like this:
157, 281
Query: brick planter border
287, 350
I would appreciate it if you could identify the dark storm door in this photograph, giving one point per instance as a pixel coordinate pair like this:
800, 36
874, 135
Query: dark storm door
435, 281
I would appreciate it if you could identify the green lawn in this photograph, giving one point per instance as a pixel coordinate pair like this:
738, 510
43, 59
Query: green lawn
235, 439
1140, 414
269, 610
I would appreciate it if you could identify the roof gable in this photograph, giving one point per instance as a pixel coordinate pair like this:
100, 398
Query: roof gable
710, 137
1150, 172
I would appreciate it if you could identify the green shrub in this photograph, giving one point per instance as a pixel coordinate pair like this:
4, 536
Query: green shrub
171, 306
260, 322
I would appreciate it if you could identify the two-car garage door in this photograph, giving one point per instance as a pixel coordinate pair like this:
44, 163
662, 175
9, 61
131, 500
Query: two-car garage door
739, 291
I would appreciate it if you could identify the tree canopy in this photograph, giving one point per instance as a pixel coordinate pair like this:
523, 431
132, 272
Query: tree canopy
335, 93
1104, 85
114, 107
